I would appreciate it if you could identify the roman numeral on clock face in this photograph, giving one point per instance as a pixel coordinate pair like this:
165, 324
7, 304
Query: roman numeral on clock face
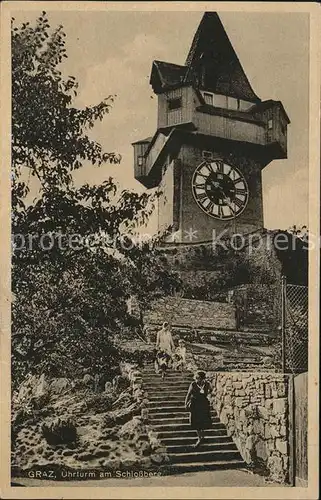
239, 203
210, 207
220, 211
240, 191
220, 167
234, 176
227, 170
203, 176
230, 211
202, 197
199, 185
217, 167
209, 169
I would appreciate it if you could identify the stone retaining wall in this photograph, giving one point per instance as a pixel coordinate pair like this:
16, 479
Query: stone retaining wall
192, 313
254, 408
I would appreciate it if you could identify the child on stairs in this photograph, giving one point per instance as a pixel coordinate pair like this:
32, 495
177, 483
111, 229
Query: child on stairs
162, 362
180, 356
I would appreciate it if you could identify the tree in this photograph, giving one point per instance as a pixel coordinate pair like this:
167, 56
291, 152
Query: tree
150, 278
68, 298
49, 139
293, 253
301, 232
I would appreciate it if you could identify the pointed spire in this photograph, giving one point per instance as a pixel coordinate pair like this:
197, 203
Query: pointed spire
213, 64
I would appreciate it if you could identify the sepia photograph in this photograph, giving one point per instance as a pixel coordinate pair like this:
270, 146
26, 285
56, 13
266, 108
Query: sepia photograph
161, 249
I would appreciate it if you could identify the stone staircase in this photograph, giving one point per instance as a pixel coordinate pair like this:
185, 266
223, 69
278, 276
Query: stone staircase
239, 359
170, 420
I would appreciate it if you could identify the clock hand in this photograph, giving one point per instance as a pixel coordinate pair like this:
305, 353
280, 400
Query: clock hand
227, 200
223, 193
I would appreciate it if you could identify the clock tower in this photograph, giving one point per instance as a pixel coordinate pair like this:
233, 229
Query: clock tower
214, 137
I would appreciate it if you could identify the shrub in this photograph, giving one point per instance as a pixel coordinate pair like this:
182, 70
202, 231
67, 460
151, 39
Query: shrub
138, 357
99, 402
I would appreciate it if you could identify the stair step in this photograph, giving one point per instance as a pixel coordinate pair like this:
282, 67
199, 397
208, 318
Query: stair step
157, 395
167, 390
171, 412
243, 355
184, 419
168, 375
181, 427
167, 403
166, 384
174, 391
167, 409
242, 360
210, 465
159, 403
151, 369
161, 415
206, 447
190, 433
190, 440
204, 456
177, 396
170, 379
241, 366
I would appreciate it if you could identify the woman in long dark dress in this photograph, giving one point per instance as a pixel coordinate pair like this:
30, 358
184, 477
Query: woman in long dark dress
199, 406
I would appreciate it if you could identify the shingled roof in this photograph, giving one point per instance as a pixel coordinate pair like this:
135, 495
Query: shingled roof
143, 141
213, 61
166, 75
211, 64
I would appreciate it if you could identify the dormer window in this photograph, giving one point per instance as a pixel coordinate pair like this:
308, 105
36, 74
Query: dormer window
245, 105
140, 161
226, 102
208, 98
220, 101
270, 124
232, 103
175, 103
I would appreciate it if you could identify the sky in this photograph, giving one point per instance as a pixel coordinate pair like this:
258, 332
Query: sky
111, 53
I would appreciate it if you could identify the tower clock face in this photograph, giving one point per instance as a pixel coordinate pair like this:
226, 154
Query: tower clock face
220, 190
